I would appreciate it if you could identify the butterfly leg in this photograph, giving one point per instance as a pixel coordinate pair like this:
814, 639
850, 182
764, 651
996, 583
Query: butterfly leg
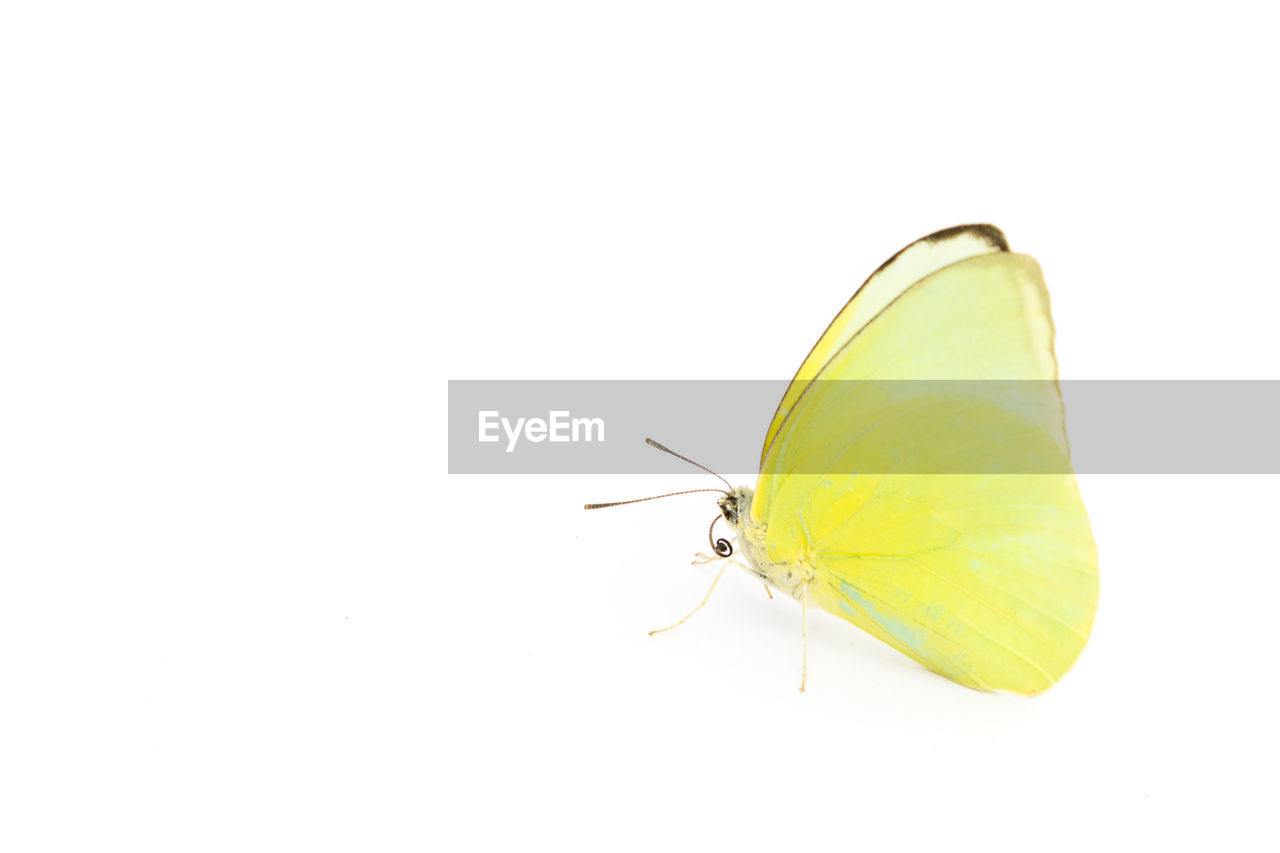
804, 643
702, 560
719, 575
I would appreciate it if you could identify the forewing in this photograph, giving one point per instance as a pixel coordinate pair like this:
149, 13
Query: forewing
898, 489
894, 276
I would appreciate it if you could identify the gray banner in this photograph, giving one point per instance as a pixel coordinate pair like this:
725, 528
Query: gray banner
1115, 427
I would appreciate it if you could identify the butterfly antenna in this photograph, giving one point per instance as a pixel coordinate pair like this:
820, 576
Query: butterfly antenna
652, 443
654, 498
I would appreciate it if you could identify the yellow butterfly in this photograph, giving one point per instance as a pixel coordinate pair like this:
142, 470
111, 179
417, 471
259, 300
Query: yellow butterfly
878, 502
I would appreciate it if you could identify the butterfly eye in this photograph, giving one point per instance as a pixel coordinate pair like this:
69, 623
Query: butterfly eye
729, 510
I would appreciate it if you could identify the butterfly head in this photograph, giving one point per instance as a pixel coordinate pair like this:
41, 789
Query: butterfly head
734, 505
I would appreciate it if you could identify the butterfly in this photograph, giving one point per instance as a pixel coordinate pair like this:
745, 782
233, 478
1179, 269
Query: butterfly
916, 479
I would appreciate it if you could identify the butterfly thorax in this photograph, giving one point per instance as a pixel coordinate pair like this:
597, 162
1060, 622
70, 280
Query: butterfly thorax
788, 578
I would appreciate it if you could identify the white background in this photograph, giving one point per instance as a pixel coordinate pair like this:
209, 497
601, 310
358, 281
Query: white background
244, 245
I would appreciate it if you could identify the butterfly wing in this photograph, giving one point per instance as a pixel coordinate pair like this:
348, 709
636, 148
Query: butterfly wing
895, 275
899, 494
